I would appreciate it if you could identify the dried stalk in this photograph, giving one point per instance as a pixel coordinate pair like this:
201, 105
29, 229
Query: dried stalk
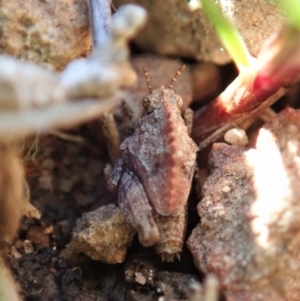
36, 100
11, 192
111, 133
8, 288
108, 67
211, 288
24, 85
100, 20
16, 126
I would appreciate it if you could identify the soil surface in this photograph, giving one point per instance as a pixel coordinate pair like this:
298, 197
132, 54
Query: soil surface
66, 179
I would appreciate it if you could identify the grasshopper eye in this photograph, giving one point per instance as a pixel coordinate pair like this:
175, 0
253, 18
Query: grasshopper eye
148, 105
152, 101
179, 102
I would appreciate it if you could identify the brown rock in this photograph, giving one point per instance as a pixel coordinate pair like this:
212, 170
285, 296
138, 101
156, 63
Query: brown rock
249, 235
206, 81
175, 29
199, 81
49, 33
102, 234
9, 288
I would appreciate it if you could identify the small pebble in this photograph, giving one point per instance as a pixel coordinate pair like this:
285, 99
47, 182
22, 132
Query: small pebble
28, 247
236, 137
226, 189
48, 230
46, 182
14, 253
140, 278
66, 185
48, 164
18, 244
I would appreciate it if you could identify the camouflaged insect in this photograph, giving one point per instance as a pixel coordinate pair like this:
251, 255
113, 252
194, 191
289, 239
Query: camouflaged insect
155, 172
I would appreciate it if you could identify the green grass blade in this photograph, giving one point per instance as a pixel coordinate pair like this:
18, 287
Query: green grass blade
228, 34
291, 9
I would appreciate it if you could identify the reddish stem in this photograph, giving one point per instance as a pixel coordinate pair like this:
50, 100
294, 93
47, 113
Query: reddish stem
278, 65
242, 96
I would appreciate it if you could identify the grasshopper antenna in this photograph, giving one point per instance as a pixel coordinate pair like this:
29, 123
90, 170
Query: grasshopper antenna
147, 80
174, 79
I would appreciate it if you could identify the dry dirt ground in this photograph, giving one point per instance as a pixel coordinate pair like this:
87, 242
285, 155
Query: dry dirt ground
66, 179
